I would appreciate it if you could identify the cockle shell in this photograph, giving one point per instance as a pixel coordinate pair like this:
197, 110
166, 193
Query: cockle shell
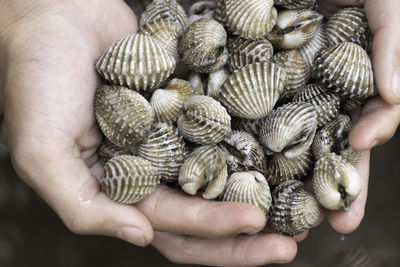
252, 91
251, 19
164, 149
293, 210
202, 46
295, 4
350, 104
243, 152
209, 84
205, 120
346, 69
336, 182
294, 28
248, 187
308, 50
124, 116
205, 165
108, 150
218, 12
128, 179
297, 70
280, 168
349, 25
168, 103
243, 52
201, 9
136, 61
252, 127
289, 129
327, 104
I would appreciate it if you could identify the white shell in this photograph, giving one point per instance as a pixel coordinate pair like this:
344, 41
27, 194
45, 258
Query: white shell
308, 50
201, 9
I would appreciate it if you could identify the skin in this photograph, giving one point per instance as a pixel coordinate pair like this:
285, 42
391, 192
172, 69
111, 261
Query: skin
47, 80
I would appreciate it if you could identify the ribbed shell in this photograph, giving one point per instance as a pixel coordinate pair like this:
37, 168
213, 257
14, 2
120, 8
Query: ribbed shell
336, 182
281, 168
124, 116
248, 187
326, 104
168, 103
346, 69
108, 150
350, 104
295, 4
308, 50
202, 46
293, 209
205, 120
251, 19
243, 52
289, 129
253, 127
136, 61
297, 70
349, 25
243, 152
294, 28
252, 91
205, 166
216, 79
128, 179
197, 81
201, 9
218, 12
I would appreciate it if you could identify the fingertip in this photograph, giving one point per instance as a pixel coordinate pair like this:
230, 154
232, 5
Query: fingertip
251, 218
300, 237
345, 222
283, 248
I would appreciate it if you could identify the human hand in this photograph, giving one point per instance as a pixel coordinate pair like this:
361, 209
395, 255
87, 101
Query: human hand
48, 50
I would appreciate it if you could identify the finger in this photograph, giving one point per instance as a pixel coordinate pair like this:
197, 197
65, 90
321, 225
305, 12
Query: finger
347, 221
242, 250
377, 124
173, 211
383, 17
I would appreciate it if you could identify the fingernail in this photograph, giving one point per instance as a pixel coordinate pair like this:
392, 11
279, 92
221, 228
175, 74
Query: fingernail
132, 235
396, 86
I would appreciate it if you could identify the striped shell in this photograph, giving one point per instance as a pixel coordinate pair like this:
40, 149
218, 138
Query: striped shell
108, 150
253, 127
136, 61
201, 9
202, 46
251, 19
295, 4
252, 91
298, 71
243, 152
216, 79
248, 187
327, 104
336, 182
289, 129
204, 167
293, 209
124, 116
281, 168
294, 28
128, 179
164, 149
349, 25
205, 120
346, 69
308, 50
168, 103
197, 79
350, 104
218, 12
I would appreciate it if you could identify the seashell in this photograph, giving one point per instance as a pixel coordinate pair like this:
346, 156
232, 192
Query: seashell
124, 116
243, 152
336, 182
201, 9
166, 10
308, 50
206, 165
248, 187
205, 120
197, 80
243, 52
280, 168
168, 103
326, 104
350, 104
289, 129
252, 91
209, 84
252, 127
108, 150
218, 12
136, 61
294, 28
349, 25
293, 210
164, 149
202, 46
295, 4
251, 19
128, 179
297, 70
346, 69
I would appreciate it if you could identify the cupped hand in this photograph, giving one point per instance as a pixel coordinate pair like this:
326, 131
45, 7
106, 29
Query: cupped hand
47, 54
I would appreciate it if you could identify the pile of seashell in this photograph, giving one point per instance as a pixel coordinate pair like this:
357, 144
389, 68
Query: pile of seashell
266, 103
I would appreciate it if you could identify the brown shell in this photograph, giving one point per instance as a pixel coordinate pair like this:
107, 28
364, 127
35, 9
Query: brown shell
108, 150
201, 9
253, 127
295, 4
308, 50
